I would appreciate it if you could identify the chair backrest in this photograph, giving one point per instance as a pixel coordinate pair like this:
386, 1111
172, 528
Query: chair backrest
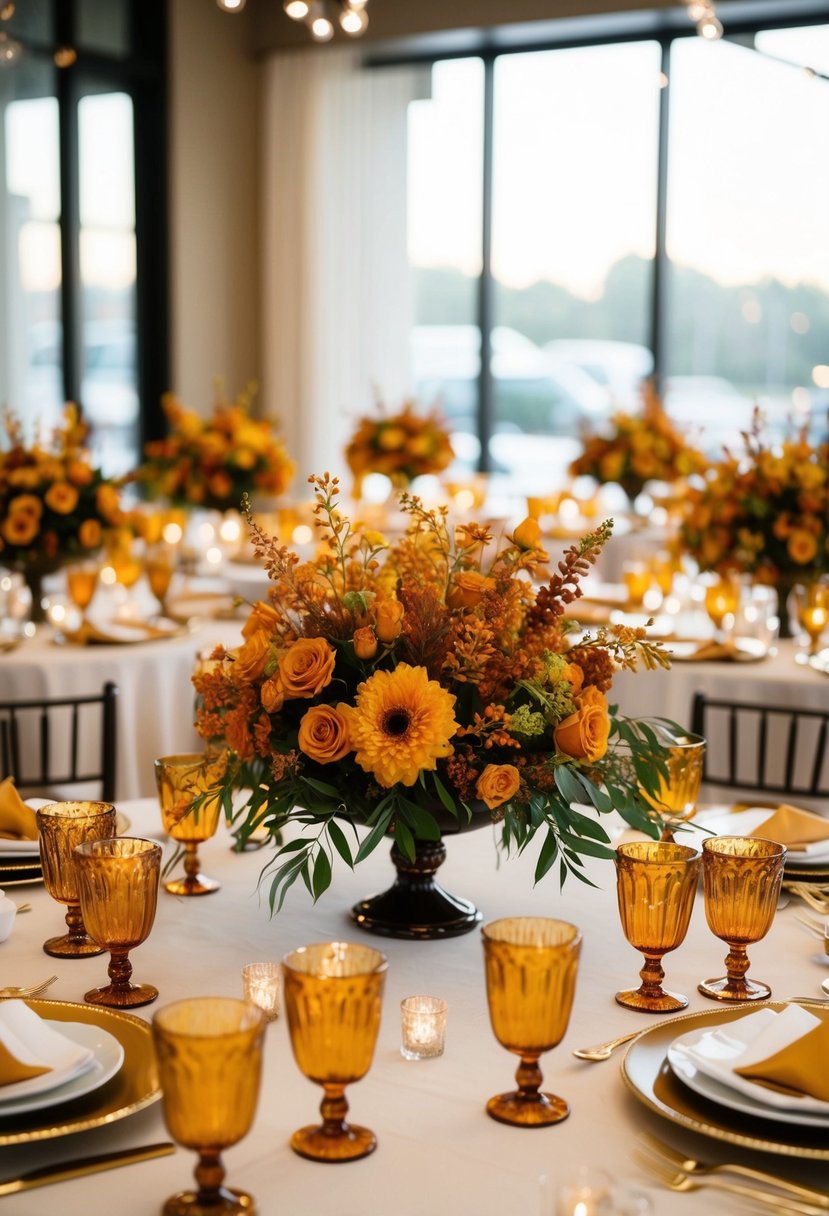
60, 741
768, 749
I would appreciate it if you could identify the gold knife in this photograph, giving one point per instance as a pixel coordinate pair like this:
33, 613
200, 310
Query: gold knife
63, 1171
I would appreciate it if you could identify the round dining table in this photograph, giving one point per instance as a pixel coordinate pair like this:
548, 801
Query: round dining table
438, 1151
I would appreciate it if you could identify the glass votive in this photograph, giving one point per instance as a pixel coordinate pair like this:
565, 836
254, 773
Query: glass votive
591, 1192
423, 1020
260, 985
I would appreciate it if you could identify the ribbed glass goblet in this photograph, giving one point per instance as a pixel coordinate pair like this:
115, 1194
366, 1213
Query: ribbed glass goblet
181, 781
209, 1053
741, 880
61, 827
655, 886
531, 964
677, 791
118, 887
333, 994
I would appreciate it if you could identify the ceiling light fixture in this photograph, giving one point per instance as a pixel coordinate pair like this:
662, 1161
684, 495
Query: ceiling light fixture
318, 16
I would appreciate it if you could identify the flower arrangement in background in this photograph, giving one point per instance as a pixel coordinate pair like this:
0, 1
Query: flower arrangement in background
213, 462
402, 446
394, 684
639, 448
54, 504
763, 512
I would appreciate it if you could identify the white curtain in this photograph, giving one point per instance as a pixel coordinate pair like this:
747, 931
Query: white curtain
337, 302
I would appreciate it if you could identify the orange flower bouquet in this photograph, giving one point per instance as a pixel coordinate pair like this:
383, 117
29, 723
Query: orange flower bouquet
54, 505
402, 446
422, 687
639, 448
213, 462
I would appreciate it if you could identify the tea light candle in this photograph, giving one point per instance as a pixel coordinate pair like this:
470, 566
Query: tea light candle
260, 984
423, 1021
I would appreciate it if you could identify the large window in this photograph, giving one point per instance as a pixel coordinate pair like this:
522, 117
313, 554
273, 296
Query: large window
77, 322
591, 215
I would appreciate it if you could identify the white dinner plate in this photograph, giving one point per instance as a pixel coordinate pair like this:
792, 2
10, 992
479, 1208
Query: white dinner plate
736, 1099
19, 848
108, 1056
744, 822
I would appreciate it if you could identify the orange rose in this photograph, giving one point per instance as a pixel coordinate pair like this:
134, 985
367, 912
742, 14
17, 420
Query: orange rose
583, 736
251, 657
26, 504
79, 474
497, 784
323, 734
467, 588
89, 534
801, 546
527, 534
574, 676
272, 695
306, 667
107, 502
263, 617
365, 642
388, 617
61, 497
20, 529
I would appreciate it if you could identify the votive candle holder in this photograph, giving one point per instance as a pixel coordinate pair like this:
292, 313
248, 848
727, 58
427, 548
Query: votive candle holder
423, 1021
261, 986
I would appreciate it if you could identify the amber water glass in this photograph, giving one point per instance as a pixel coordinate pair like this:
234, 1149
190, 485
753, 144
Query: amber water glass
82, 583
118, 887
812, 606
531, 964
741, 879
677, 792
181, 780
159, 567
209, 1052
61, 827
655, 885
333, 993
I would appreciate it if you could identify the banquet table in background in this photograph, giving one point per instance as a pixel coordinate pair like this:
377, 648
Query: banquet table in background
155, 702
438, 1151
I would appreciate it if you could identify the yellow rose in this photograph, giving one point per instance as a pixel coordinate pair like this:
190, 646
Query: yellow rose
323, 734
251, 657
388, 617
583, 736
306, 667
263, 617
244, 458
467, 588
26, 504
89, 534
20, 529
527, 534
365, 643
611, 465
107, 502
79, 473
272, 695
497, 784
391, 438
61, 497
801, 546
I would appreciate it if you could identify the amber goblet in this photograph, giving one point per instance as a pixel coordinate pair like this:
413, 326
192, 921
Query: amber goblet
655, 886
531, 964
82, 583
741, 880
209, 1052
677, 792
188, 816
333, 992
118, 887
61, 827
159, 567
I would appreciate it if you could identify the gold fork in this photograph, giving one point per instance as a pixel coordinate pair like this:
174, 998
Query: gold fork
810, 925
690, 1165
32, 990
676, 1179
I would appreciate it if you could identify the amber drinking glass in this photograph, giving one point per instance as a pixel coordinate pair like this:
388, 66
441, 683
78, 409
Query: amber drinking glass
677, 792
209, 1052
118, 886
182, 780
655, 886
812, 606
722, 598
531, 964
82, 583
61, 827
159, 567
333, 993
741, 879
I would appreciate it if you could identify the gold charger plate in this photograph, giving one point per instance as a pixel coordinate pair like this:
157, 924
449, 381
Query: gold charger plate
647, 1074
133, 1087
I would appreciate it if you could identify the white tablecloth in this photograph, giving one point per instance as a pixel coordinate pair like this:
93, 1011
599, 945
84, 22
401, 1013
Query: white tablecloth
438, 1151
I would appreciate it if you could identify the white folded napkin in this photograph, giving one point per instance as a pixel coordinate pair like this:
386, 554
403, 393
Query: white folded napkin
33, 1054
748, 1040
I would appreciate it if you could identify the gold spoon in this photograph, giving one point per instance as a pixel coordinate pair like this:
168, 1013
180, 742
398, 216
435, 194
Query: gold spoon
602, 1051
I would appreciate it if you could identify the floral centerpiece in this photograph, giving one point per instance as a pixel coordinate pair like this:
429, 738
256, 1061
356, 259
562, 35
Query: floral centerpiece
54, 504
763, 512
420, 687
638, 448
402, 446
212, 462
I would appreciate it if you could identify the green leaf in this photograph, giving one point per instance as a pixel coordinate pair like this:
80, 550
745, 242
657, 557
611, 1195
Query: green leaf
404, 839
568, 786
337, 838
587, 848
424, 825
599, 798
585, 826
445, 796
547, 856
323, 788
376, 834
322, 874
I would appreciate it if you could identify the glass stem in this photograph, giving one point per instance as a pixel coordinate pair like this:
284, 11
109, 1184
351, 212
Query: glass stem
209, 1175
652, 976
736, 965
191, 859
334, 1109
529, 1078
75, 925
120, 970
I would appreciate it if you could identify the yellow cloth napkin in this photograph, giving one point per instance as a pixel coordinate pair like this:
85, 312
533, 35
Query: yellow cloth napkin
793, 827
798, 1068
13, 1070
17, 821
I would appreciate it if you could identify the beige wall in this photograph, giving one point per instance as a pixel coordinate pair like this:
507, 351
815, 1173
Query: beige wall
214, 259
